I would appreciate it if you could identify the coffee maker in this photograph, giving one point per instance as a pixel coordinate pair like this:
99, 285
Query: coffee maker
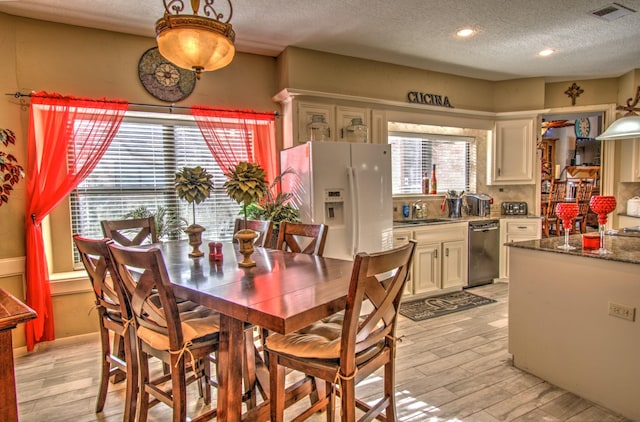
479, 204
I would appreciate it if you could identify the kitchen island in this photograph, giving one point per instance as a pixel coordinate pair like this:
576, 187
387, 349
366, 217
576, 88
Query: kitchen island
560, 327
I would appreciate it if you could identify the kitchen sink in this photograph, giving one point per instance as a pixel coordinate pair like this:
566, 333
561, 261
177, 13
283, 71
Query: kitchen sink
421, 221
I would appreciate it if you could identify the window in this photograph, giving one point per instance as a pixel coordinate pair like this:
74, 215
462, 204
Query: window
413, 155
138, 170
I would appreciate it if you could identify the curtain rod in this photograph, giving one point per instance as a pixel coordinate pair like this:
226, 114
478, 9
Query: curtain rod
171, 107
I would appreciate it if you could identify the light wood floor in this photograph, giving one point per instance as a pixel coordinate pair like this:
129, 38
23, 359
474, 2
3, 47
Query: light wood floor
451, 368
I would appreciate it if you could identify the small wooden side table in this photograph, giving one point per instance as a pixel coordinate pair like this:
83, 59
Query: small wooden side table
12, 313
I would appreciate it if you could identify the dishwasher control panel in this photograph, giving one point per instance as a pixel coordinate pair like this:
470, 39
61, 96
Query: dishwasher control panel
514, 208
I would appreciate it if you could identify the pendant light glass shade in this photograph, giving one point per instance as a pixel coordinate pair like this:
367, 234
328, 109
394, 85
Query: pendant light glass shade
626, 127
195, 42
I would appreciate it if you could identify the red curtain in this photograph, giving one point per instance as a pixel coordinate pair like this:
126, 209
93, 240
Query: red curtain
221, 127
67, 138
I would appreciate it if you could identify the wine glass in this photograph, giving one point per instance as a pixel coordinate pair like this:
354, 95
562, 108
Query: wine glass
567, 212
602, 205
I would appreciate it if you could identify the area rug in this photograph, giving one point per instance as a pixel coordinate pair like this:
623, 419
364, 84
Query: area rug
449, 303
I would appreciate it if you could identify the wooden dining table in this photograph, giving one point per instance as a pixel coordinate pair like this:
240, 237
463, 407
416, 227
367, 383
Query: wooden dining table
284, 292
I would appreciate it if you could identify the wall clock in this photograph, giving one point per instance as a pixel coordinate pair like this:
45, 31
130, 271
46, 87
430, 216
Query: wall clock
164, 80
583, 127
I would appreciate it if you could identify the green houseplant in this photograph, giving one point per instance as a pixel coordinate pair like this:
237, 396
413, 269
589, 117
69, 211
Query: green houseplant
167, 223
246, 184
194, 185
275, 206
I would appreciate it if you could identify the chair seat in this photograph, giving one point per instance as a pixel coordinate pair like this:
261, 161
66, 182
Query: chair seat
320, 340
200, 325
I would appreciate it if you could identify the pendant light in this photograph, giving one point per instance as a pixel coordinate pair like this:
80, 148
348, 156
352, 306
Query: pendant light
196, 42
626, 127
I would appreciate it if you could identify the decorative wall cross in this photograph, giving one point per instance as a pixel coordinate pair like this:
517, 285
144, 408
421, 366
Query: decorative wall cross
574, 92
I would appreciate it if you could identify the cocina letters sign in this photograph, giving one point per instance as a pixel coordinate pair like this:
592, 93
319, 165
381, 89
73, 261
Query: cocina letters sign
416, 97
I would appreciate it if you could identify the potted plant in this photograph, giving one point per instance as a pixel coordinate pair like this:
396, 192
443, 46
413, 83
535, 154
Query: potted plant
276, 207
167, 223
193, 184
246, 184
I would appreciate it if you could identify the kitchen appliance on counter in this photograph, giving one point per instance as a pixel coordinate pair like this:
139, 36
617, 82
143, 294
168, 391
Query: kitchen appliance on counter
479, 204
633, 206
484, 252
346, 186
515, 208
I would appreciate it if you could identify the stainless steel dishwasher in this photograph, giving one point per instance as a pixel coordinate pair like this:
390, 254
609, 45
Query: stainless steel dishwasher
484, 252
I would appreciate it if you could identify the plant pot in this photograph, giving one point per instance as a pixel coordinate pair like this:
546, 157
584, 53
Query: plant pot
246, 238
195, 239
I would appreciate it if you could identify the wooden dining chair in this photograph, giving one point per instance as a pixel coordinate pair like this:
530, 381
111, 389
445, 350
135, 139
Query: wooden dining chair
583, 196
550, 220
346, 348
118, 356
302, 238
182, 338
131, 232
264, 227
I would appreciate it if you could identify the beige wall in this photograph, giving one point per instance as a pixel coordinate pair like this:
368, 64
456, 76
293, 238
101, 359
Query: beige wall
93, 63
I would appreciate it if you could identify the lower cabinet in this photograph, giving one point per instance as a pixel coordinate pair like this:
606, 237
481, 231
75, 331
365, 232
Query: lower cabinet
516, 230
440, 259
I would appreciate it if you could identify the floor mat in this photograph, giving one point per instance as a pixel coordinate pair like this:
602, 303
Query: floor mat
436, 306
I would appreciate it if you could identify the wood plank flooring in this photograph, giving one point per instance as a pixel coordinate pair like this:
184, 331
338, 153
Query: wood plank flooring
452, 368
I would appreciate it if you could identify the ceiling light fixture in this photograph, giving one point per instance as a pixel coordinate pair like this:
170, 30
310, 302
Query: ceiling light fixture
195, 42
626, 127
465, 32
545, 52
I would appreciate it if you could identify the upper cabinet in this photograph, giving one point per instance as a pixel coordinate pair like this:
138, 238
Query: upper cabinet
630, 160
511, 153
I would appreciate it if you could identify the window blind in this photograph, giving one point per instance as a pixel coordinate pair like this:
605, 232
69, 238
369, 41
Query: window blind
138, 170
413, 155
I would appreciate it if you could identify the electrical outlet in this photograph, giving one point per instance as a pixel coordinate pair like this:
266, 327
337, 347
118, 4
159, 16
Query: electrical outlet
622, 311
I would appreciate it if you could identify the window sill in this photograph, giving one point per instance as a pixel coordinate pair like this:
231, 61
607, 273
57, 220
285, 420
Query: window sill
69, 283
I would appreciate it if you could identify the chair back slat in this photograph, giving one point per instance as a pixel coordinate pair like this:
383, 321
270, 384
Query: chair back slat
302, 238
377, 279
131, 232
97, 262
263, 227
146, 283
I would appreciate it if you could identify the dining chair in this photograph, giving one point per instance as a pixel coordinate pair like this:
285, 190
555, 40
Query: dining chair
118, 356
131, 232
302, 238
550, 221
263, 227
182, 335
583, 196
347, 347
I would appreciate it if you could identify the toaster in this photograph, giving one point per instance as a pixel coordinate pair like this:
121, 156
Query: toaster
479, 204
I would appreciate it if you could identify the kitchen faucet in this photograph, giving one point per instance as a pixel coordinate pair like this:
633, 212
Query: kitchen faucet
416, 210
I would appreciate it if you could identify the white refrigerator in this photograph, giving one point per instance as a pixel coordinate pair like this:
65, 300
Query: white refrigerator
346, 186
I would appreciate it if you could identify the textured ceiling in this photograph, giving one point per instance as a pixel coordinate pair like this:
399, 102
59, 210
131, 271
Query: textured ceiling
416, 33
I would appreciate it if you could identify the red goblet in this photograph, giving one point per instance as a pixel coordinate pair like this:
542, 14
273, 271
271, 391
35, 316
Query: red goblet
602, 205
567, 212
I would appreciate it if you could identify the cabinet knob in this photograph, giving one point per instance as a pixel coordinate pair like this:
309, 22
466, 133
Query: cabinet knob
435, 253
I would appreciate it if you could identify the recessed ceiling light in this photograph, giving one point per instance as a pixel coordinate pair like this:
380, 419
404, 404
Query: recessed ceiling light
465, 32
546, 52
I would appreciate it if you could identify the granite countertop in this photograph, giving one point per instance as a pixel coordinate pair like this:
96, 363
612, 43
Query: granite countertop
445, 220
623, 249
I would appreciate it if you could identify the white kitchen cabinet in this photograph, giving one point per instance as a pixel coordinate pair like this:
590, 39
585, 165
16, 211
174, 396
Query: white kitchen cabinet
630, 160
304, 113
379, 130
511, 153
400, 237
440, 260
516, 230
344, 116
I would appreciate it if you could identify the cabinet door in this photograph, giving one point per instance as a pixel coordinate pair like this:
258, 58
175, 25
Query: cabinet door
515, 230
344, 115
399, 239
511, 153
426, 268
379, 131
454, 264
306, 110
630, 160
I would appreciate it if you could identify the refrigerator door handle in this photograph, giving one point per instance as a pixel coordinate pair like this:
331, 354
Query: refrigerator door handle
353, 187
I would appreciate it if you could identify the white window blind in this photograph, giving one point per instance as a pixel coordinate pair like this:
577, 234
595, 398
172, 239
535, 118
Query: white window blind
413, 155
138, 170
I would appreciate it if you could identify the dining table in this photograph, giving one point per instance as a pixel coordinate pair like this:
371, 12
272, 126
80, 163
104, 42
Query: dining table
283, 292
